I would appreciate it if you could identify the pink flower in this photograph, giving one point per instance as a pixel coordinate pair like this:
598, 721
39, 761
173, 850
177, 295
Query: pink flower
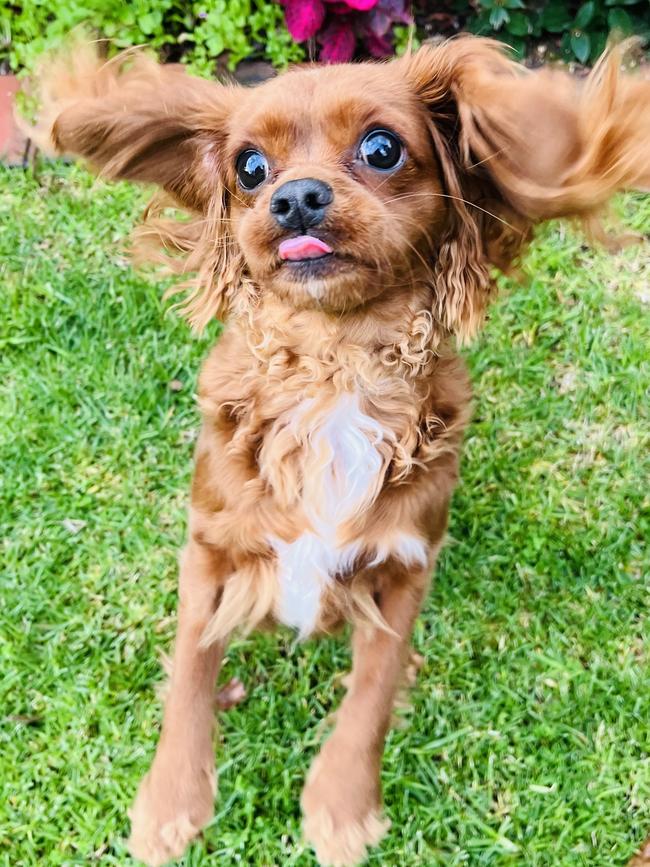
340, 24
378, 46
304, 18
361, 5
338, 41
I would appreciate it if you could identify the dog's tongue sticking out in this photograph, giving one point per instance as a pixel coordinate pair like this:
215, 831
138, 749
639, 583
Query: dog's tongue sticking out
303, 247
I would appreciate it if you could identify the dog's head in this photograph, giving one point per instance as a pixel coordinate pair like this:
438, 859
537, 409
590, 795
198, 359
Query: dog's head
333, 186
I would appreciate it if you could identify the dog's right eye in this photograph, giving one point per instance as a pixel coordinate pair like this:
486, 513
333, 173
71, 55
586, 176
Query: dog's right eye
252, 169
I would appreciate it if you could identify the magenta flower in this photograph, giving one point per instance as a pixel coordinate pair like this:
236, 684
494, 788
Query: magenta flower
304, 18
361, 5
338, 42
339, 25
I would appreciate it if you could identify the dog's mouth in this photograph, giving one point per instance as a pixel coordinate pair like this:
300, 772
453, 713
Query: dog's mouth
310, 271
304, 248
308, 258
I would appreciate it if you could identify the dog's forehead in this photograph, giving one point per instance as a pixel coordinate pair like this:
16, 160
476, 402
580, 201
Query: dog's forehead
337, 102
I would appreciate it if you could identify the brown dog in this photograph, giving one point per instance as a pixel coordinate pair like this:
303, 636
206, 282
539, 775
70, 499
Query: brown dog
345, 222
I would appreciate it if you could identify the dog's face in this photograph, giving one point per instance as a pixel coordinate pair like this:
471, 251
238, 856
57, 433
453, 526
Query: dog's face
334, 184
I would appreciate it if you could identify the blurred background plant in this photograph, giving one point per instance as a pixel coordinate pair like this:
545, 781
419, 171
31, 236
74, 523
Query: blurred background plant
211, 34
197, 32
342, 27
574, 31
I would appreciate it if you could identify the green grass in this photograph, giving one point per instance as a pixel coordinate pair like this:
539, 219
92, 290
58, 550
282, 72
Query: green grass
529, 742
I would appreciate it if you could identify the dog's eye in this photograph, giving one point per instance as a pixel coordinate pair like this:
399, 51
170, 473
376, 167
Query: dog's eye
252, 169
381, 149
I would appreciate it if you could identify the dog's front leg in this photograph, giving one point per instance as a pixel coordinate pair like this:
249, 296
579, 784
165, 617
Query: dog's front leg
176, 798
342, 798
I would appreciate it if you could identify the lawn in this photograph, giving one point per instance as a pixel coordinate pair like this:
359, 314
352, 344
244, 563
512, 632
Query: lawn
529, 739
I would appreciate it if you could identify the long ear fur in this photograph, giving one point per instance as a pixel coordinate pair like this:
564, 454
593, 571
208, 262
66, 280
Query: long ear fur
520, 147
134, 119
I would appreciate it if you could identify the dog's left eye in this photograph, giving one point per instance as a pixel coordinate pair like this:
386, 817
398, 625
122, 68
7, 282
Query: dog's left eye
381, 149
252, 169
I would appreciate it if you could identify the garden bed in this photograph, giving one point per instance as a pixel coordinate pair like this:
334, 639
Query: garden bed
211, 35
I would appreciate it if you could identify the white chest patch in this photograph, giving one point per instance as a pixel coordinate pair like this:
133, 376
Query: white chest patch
342, 474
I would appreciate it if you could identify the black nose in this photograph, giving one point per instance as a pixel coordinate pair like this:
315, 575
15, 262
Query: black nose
301, 204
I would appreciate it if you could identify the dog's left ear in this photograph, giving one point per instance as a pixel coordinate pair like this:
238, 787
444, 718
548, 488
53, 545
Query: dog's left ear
517, 147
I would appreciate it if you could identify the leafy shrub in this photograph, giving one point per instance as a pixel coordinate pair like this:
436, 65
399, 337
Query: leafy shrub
198, 32
195, 31
580, 31
574, 31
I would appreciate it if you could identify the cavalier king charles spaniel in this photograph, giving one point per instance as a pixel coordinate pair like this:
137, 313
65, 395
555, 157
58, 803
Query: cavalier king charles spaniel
345, 222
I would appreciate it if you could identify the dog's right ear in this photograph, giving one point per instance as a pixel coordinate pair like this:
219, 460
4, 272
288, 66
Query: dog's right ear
134, 119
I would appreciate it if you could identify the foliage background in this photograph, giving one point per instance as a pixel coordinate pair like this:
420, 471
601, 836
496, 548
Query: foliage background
199, 32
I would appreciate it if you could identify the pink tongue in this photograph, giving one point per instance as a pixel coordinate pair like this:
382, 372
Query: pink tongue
304, 247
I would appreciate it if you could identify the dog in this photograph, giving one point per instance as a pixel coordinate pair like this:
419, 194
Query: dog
345, 222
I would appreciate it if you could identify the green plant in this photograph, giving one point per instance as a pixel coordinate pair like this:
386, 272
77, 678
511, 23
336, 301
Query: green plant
580, 30
199, 32
242, 29
195, 32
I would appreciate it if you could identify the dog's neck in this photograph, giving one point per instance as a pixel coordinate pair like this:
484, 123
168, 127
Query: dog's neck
397, 329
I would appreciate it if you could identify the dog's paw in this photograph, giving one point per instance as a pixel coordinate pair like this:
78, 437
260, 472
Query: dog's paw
341, 806
343, 844
165, 818
155, 843
642, 858
231, 694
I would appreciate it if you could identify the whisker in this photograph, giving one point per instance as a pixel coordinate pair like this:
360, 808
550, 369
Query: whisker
459, 199
235, 196
413, 221
426, 264
385, 181
487, 158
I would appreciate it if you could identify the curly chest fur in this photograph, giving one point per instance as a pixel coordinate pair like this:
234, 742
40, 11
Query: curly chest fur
328, 459
323, 445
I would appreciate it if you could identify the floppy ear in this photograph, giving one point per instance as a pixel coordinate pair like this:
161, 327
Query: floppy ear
521, 147
134, 119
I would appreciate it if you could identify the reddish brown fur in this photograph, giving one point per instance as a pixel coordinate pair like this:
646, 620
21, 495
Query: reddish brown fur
492, 150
